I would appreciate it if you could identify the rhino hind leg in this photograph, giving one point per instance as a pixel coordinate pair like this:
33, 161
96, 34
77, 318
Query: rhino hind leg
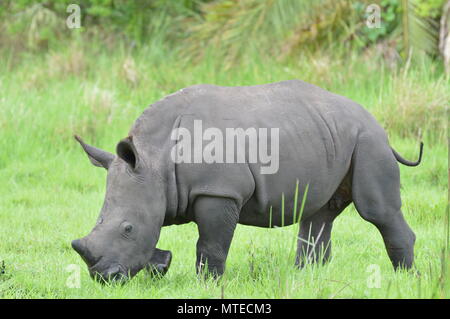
376, 194
159, 263
314, 239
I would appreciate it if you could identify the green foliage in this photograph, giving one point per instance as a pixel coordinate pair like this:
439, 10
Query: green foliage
136, 20
277, 28
420, 33
289, 28
429, 8
273, 27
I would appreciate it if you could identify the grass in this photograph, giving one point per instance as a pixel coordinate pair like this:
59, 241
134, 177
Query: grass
50, 193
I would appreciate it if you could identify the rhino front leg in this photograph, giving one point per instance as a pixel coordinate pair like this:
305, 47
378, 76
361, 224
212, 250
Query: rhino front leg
159, 263
216, 219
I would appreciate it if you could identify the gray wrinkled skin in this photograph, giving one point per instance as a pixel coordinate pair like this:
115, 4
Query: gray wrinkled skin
327, 142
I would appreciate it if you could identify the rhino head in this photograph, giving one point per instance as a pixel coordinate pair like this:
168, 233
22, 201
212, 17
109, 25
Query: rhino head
127, 230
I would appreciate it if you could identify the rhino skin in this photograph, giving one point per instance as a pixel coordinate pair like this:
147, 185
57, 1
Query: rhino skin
327, 143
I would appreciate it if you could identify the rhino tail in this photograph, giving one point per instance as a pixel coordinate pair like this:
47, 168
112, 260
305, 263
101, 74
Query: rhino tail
399, 158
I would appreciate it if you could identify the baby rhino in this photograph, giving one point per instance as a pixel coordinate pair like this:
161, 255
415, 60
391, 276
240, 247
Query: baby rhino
219, 156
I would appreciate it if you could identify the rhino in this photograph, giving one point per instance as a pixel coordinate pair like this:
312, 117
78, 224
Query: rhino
330, 150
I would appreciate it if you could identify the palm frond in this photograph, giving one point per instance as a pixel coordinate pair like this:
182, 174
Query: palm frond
232, 24
420, 34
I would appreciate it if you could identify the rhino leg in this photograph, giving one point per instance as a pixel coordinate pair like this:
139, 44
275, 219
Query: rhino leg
159, 263
314, 239
376, 193
216, 219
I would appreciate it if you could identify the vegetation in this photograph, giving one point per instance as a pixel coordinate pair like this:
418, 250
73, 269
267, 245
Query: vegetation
96, 80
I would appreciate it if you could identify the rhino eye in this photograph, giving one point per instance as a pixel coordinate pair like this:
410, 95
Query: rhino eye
128, 228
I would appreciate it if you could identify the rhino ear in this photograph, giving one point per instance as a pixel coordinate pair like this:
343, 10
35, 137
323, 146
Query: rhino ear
127, 151
97, 156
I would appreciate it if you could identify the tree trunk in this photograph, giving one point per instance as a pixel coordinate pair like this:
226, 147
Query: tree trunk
444, 36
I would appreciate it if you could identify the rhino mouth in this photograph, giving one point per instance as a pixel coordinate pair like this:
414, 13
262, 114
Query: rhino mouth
112, 273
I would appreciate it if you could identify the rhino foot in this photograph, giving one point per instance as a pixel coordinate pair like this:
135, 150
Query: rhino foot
159, 263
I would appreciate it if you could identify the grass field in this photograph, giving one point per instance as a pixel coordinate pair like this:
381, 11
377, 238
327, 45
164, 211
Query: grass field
50, 193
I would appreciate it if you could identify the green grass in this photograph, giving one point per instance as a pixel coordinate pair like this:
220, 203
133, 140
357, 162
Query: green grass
50, 193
